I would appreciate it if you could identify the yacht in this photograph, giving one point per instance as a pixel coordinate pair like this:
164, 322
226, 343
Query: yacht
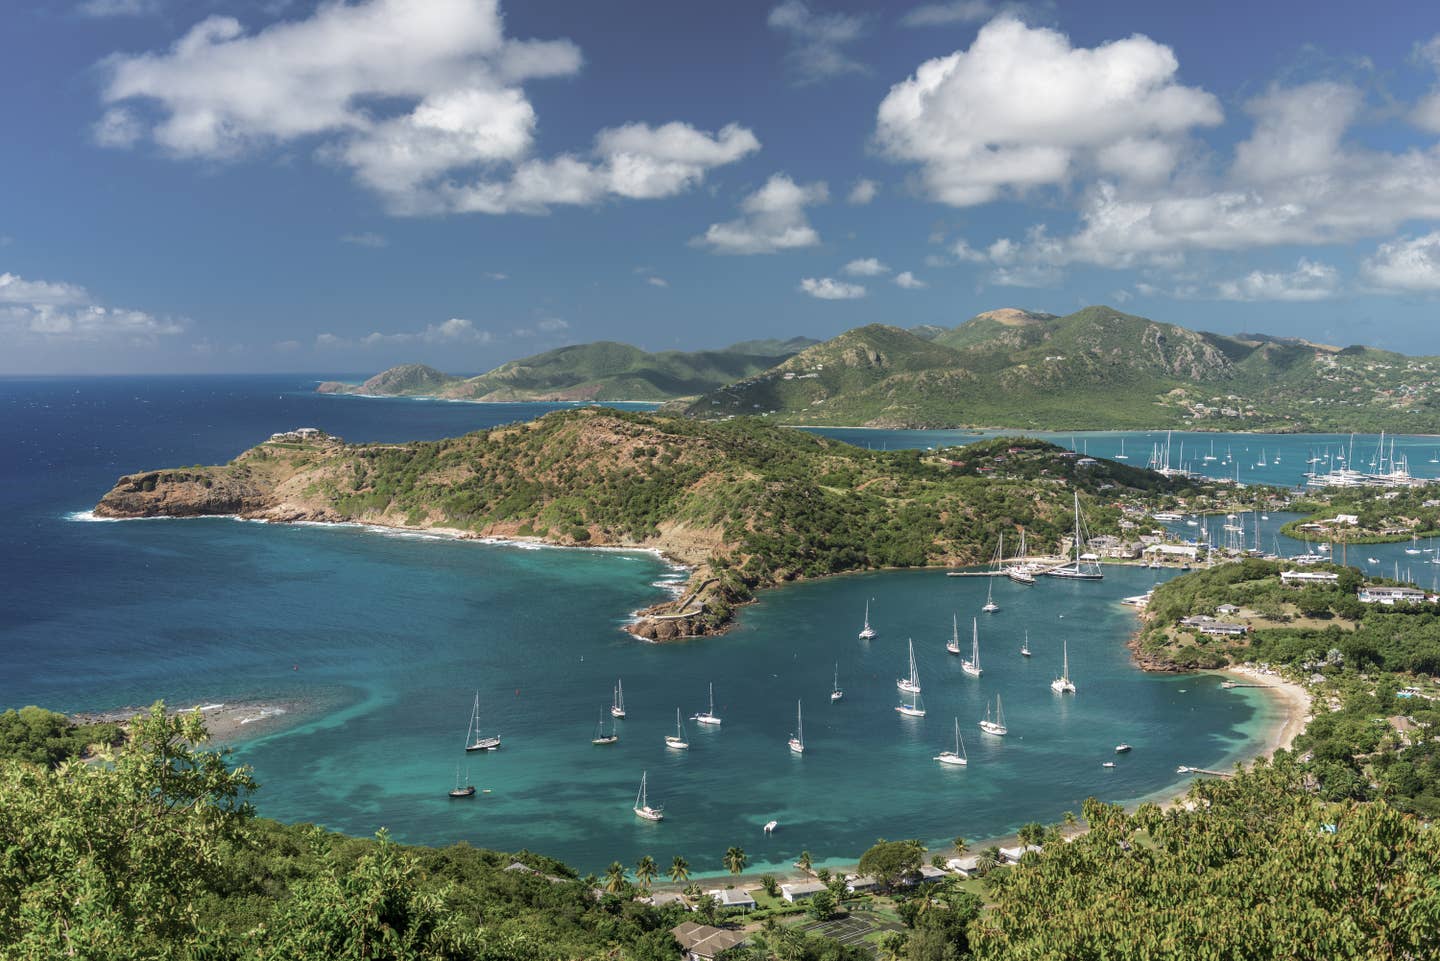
997, 724
957, 756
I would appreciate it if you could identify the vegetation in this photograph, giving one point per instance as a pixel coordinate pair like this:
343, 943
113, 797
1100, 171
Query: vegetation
1095, 369
45, 738
1381, 515
892, 863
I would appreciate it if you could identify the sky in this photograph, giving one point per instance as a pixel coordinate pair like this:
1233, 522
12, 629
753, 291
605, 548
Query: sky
281, 185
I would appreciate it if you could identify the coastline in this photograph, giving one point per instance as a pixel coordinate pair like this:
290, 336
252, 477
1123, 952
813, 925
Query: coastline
228, 722
1296, 701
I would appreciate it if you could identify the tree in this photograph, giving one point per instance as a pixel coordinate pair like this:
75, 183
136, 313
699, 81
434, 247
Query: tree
771, 886
679, 869
615, 878
735, 859
645, 870
821, 906
1030, 833
890, 862
961, 846
707, 908
805, 862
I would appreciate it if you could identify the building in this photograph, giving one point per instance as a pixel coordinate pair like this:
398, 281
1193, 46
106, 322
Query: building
1014, 854
1303, 578
1392, 595
801, 890
1227, 609
967, 866
859, 883
1208, 625
701, 942
733, 898
929, 874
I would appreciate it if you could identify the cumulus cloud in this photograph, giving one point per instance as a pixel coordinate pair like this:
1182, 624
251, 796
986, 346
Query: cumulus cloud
59, 312
422, 100
1022, 108
365, 239
1308, 281
863, 192
909, 281
942, 14
118, 8
455, 331
817, 40
1410, 264
657, 282
827, 288
866, 267
773, 219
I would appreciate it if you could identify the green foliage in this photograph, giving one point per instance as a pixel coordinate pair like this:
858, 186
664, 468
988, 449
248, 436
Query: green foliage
43, 737
892, 862
821, 906
735, 860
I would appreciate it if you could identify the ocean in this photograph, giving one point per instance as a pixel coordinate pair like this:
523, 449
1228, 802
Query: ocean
383, 640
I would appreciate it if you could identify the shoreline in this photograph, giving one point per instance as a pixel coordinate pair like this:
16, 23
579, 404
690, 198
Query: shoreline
228, 722
1295, 699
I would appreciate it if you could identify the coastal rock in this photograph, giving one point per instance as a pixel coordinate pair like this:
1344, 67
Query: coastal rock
184, 493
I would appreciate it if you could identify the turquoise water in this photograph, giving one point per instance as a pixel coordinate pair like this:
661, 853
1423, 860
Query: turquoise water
387, 638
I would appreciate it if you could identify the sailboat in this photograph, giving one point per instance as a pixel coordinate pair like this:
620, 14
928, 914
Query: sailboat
474, 741
990, 606
797, 740
835, 692
1022, 571
996, 726
1122, 455
642, 803
911, 708
1210, 456
972, 665
677, 740
867, 632
1063, 684
911, 684
952, 646
1085, 566
1025, 644
617, 706
708, 716
465, 790
600, 736
956, 756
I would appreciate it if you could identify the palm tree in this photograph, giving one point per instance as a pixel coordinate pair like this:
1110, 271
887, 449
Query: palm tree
961, 846
735, 859
615, 878
645, 870
805, 862
679, 869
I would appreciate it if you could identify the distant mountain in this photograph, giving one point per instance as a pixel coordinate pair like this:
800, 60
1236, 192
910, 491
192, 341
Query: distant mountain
604, 370
1098, 368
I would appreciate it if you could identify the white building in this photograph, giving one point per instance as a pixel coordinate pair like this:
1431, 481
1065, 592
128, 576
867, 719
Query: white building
1392, 595
801, 890
733, 898
1308, 577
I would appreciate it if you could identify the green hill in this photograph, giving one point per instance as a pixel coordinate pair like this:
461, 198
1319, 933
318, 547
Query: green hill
1098, 368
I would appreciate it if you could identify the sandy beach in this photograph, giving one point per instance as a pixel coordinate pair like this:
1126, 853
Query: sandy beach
1295, 699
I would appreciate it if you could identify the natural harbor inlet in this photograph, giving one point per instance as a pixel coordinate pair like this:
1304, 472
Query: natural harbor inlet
782, 481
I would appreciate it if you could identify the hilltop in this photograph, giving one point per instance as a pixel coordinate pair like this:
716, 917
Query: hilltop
604, 370
1098, 368
746, 504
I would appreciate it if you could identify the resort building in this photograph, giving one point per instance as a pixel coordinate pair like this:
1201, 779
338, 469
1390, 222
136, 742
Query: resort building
859, 883
1208, 625
1014, 854
1302, 578
1392, 595
733, 898
801, 890
966, 866
701, 942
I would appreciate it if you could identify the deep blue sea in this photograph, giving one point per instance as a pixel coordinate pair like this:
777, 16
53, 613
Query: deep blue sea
385, 640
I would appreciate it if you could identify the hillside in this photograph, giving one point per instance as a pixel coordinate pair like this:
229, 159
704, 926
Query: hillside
749, 505
1097, 368
604, 370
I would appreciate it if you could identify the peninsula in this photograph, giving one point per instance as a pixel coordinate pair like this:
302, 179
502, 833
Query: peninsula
745, 504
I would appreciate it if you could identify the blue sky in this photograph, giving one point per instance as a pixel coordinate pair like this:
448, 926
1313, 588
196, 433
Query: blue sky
205, 185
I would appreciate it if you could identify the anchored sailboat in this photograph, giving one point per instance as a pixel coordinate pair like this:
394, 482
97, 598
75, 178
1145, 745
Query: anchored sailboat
642, 803
1085, 566
990, 606
867, 632
911, 684
996, 726
835, 692
1025, 644
952, 646
677, 740
1062, 684
474, 741
911, 707
1021, 571
972, 666
797, 740
956, 756
708, 716
1122, 455
600, 736
465, 790
617, 706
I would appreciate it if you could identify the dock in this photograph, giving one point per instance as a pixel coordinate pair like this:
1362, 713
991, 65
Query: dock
1186, 769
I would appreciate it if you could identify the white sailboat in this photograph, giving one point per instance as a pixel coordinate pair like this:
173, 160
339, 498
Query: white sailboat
1122, 455
677, 740
997, 725
708, 716
956, 756
474, 740
617, 706
911, 684
642, 803
797, 740
600, 736
1063, 684
952, 646
911, 708
1085, 566
867, 632
990, 606
1021, 571
1025, 644
972, 665
835, 692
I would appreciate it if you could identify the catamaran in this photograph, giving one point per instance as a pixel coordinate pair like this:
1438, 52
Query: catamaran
835, 692
956, 756
952, 646
972, 665
474, 741
1063, 684
911, 684
600, 736
708, 716
797, 740
642, 803
996, 726
867, 632
617, 706
462, 790
677, 740
1025, 644
911, 708
1085, 566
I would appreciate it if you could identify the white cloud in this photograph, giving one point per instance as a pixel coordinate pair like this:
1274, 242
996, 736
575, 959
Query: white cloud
57, 311
963, 251
551, 325
365, 239
863, 192
455, 331
1307, 282
495, 275
118, 8
827, 288
866, 267
955, 11
657, 282
909, 281
1405, 264
1023, 108
1297, 132
818, 40
773, 219
422, 100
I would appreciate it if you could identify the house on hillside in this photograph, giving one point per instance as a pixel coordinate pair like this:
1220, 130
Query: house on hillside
701, 942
